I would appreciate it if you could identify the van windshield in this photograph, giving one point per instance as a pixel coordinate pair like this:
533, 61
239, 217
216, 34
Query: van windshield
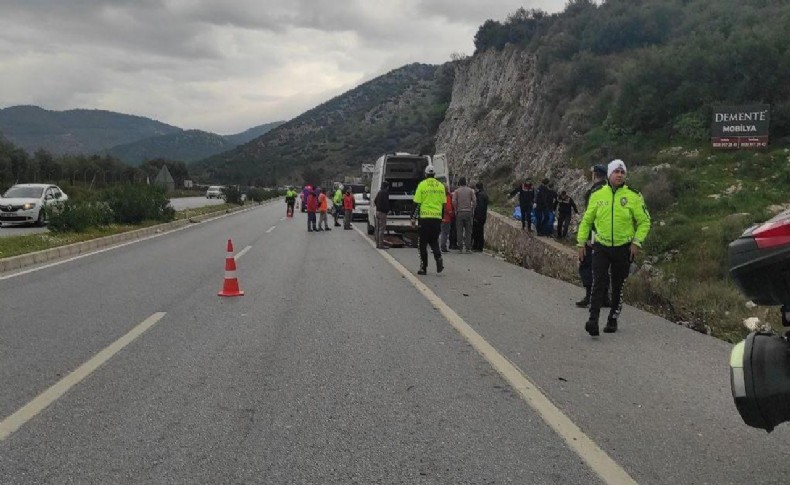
356, 188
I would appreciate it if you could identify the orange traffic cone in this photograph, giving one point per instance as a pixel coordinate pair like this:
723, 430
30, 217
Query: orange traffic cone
231, 285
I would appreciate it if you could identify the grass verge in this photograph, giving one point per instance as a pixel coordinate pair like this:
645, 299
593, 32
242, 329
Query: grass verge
17, 245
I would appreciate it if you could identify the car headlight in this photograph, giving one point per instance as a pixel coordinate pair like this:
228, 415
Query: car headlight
28, 206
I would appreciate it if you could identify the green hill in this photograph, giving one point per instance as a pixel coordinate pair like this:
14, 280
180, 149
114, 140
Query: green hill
251, 133
75, 131
186, 146
400, 110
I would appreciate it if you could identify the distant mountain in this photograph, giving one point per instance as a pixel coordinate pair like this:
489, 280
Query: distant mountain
75, 131
252, 133
400, 110
185, 146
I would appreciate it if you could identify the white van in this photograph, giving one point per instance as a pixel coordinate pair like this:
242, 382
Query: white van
403, 171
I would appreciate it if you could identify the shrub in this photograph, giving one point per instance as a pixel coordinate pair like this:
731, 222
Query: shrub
79, 216
133, 204
232, 195
658, 193
257, 195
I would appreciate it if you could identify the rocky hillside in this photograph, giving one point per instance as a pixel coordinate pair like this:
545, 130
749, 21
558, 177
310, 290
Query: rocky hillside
400, 110
495, 130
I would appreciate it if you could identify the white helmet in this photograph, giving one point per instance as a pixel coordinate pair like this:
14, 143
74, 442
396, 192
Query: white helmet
340, 187
429, 170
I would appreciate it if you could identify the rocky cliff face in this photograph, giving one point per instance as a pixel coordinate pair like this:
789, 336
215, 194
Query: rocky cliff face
496, 127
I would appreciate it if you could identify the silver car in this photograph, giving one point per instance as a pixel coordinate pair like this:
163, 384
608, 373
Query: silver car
25, 203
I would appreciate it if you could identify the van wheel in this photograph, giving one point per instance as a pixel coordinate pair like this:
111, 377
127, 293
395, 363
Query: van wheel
371, 229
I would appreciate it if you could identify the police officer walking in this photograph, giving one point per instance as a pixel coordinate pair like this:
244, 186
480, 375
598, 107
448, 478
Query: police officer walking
622, 223
429, 199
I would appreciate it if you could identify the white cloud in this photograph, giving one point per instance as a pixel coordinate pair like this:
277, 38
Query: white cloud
223, 66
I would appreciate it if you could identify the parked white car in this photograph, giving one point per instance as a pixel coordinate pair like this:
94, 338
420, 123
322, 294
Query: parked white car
25, 203
214, 192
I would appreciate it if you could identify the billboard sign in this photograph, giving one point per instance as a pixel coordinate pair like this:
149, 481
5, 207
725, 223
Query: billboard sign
740, 126
367, 167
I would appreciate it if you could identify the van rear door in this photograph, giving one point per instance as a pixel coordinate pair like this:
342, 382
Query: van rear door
440, 165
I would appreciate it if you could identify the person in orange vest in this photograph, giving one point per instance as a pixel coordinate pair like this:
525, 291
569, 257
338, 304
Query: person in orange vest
322, 207
447, 219
348, 207
312, 207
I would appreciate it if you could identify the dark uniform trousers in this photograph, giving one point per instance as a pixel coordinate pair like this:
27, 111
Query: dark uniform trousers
428, 235
618, 258
585, 269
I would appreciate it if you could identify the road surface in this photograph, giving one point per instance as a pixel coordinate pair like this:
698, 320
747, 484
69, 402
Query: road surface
339, 365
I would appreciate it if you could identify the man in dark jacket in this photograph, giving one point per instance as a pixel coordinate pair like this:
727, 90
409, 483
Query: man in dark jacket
544, 203
479, 220
565, 205
526, 198
382, 205
585, 266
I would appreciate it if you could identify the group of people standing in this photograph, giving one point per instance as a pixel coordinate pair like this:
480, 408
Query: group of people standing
317, 205
438, 207
546, 204
611, 232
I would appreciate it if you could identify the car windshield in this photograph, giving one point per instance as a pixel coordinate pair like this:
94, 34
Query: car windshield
24, 193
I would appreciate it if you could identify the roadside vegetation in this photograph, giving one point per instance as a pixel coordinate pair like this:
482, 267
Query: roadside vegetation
639, 80
91, 214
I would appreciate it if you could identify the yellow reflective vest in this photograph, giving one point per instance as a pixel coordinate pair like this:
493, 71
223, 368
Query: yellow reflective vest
618, 215
430, 195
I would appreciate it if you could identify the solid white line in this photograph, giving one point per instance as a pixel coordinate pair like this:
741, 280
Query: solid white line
12, 423
601, 463
270, 229
242, 253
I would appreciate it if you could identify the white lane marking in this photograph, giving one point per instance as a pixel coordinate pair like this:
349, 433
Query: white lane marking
15, 421
270, 229
242, 253
282, 218
602, 464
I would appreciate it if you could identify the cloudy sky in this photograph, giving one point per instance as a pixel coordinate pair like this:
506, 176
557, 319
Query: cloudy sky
223, 65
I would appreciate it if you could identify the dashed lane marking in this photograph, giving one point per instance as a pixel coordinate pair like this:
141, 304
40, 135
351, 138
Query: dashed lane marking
27, 412
601, 463
242, 253
270, 229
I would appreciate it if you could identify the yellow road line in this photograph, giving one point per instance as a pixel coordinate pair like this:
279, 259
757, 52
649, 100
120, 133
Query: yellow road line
601, 463
15, 421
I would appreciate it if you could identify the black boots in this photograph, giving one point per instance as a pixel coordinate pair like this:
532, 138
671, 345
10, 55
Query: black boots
611, 325
592, 327
439, 265
586, 300
422, 271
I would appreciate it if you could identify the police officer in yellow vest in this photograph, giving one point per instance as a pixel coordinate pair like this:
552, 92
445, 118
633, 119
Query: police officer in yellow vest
290, 200
337, 204
621, 223
429, 199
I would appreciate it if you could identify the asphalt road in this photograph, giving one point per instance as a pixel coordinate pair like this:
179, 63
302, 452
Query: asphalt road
178, 204
335, 368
